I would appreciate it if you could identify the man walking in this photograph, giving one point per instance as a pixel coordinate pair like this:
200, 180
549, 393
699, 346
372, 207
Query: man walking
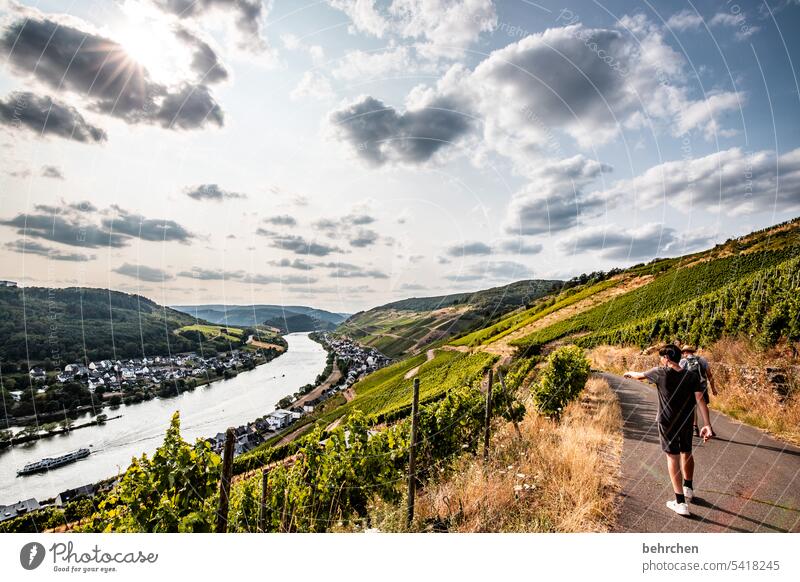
678, 391
699, 365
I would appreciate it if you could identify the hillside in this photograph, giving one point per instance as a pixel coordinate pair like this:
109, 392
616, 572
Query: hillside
407, 326
77, 324
252, 315
299, 322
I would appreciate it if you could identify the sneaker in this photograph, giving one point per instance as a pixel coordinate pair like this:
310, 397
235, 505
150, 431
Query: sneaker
679, 508
688, 493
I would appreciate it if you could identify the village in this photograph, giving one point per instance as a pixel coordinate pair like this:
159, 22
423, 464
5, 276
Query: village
351, 362
121, 378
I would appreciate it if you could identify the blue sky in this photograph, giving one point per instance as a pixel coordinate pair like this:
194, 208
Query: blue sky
344, 154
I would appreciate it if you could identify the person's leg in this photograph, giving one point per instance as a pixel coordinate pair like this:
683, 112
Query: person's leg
687, 465
674, 468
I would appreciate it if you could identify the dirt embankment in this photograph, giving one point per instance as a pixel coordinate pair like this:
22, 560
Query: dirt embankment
503, 347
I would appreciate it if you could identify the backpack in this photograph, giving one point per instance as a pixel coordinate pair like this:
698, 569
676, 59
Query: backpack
693, 365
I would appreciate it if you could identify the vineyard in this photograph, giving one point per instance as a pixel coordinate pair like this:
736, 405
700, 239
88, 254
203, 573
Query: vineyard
763, 306
673, 288
391, 393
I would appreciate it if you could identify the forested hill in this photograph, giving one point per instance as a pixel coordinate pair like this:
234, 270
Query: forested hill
411, 324
252, 315
74, 324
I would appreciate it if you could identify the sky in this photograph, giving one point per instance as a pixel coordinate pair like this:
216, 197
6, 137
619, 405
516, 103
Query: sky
343, 154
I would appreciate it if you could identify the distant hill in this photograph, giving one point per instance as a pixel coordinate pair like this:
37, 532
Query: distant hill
77, 324
252, 315
410, 324
299, 322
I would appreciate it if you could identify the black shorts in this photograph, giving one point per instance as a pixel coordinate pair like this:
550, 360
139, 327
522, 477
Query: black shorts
676, 438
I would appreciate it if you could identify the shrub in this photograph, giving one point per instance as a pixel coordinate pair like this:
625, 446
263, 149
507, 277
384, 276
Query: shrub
561, 380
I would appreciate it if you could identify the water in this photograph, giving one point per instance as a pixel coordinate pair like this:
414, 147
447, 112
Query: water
204, 412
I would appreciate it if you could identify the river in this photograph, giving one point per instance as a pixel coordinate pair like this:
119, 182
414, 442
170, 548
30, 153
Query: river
204, 412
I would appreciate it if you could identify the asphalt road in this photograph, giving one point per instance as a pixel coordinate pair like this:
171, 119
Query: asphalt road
745, 480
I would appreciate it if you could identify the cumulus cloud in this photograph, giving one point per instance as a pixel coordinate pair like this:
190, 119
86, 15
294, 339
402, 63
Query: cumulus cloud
364, 237
466, 249
143, 273
44, 116
554, 199
379, 134
298, 244
491, 270
518, 246
314, 86
298, 264
646, 241
35, 248
202, 274
206, 63
442, 28
150, 229
81, 224
52, 172
211, 192
734, 181
248, 15
97, 69
70, 230
350, 271
281, 220
685, 20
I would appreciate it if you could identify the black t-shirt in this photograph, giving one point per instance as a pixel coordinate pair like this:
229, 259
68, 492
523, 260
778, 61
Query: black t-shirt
676, 390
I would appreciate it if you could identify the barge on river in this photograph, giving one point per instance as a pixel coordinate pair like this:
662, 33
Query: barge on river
49, 463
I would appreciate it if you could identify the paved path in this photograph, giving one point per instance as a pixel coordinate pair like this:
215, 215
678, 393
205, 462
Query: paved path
745, 480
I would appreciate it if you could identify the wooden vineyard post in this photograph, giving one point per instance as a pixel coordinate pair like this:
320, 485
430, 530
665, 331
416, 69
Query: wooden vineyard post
225, 482
412, 452
262, 512
488, 417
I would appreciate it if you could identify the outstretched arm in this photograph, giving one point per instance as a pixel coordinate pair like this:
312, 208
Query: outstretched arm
706, 431
634, 375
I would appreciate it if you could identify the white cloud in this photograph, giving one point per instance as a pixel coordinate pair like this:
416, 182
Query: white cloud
443, 28
734, 181
685, 20
312, 86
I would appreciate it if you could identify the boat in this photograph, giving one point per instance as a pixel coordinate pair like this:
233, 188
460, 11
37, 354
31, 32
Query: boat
49, 463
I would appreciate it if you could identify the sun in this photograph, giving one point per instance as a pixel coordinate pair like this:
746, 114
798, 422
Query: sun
148, 41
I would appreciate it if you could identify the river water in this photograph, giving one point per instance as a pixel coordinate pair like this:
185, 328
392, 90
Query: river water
204, 412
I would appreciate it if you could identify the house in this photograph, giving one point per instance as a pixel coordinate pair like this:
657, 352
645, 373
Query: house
19, 508
71, 494
279, 419
310, 405
4, 283
16, 395
38, 374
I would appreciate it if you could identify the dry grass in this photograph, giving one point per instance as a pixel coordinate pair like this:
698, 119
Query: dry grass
742, 379
553, 477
